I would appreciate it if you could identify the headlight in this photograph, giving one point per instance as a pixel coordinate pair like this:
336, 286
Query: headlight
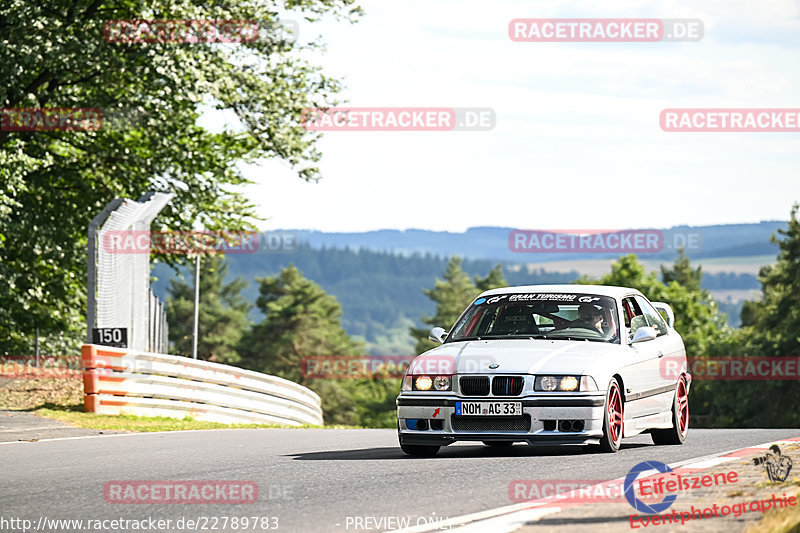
547, 383
441, 383
426, 383
568, 383
564, 383
423, 383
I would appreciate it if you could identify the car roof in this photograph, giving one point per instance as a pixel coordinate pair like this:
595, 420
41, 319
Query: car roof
602, 290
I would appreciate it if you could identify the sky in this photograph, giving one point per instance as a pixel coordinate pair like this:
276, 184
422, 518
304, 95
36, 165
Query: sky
577, 143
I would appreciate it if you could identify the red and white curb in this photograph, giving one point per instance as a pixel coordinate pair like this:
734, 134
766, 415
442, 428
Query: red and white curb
511, 517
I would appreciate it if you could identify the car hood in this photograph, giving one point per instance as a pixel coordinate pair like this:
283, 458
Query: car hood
516, 356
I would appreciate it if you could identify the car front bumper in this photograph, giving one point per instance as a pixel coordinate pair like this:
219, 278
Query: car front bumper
540, 423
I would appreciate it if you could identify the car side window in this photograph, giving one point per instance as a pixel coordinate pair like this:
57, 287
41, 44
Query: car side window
654, 319
632, 311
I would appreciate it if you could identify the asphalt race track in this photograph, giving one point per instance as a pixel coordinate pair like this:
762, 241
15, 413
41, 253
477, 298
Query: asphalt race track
311, 479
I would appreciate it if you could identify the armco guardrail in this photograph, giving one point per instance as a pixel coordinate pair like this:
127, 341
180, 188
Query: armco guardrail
119, 381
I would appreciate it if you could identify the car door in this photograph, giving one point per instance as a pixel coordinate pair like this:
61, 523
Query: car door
644, 378
669, 345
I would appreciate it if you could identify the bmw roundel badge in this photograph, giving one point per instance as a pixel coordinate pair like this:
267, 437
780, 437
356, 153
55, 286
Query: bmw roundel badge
493, 366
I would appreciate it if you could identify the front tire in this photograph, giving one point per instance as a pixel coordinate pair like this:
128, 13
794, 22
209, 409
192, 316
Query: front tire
612, 420
415, 450
680, 419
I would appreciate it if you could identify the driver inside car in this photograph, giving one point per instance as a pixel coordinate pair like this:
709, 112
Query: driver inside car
589, 317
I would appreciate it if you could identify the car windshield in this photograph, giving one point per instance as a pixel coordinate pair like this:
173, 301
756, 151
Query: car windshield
584, 317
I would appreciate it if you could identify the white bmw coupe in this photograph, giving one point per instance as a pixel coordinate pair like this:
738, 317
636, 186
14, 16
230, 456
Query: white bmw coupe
549, 365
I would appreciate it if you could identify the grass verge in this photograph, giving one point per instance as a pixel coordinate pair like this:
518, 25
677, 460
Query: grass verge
62, 400
782, 521
76, 417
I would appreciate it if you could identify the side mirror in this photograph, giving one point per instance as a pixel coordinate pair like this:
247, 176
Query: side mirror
645, 333
437, 334
661, 307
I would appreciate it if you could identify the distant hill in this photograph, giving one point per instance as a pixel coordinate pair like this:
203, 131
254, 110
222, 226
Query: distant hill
380, 292
492, 242
380, 285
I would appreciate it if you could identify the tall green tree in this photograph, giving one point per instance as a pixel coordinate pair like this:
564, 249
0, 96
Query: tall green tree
301, 320
492, 280
152, 95
770, 328
452, 294
222, 314
697, 317
682, 273
775, 319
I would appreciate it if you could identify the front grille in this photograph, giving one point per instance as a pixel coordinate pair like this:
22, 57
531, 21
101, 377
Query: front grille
507, 385
474, 385
519, 424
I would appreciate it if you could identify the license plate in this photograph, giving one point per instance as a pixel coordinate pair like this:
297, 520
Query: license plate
488, 408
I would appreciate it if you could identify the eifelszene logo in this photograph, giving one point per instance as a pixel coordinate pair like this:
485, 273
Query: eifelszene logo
630, 495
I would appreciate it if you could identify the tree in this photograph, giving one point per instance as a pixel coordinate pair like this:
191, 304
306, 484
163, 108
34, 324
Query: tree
451, 295
222, 318
682, 273
493, 279
697, 318
775, 319
301, 320
770, 328
628, 272
52, 183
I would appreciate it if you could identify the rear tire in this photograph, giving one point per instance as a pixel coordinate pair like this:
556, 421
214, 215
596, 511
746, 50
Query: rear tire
612, 419
680, 419
415, 450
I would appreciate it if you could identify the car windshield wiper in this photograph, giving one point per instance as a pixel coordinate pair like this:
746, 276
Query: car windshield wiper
571, 338
546, 336
514, 336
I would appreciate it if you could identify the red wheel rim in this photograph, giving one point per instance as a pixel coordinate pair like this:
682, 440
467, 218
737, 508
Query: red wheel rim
614, 407
682, 407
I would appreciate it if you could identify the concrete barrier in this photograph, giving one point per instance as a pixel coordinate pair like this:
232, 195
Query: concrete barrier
119, 381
